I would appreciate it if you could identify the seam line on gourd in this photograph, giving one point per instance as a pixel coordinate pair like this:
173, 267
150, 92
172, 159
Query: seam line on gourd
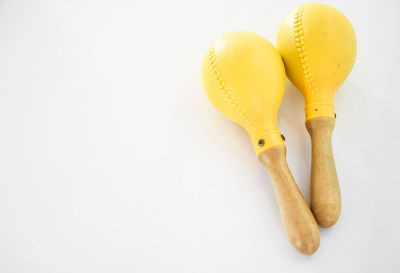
227, 92
301, 49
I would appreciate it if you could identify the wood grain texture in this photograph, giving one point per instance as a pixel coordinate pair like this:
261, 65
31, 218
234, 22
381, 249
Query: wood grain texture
299, 222
324, 186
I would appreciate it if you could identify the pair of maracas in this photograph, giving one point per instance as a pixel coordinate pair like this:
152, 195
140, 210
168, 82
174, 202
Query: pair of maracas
244, 77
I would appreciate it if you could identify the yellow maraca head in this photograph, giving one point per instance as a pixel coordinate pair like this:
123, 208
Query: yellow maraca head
318, 46
244, 78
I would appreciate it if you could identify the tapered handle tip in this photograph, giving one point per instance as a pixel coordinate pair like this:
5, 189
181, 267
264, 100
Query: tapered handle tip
326, 214
309, 245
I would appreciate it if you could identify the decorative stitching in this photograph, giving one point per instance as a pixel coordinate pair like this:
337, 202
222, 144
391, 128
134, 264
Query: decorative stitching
227, 92
301, 50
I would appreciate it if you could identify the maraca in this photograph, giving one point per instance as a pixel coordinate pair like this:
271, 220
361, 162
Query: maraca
244, 78
318, 46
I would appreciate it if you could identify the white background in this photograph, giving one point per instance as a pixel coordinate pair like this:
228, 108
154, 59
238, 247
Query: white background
112, 159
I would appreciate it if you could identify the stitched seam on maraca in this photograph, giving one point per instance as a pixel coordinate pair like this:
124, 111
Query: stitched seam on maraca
301, 49
227, 92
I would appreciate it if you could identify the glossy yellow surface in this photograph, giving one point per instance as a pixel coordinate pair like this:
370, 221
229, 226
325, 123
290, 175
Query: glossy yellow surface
318, 46
244, 78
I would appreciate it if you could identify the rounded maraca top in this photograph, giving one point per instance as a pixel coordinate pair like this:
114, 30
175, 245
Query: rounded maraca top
244, 78
318, 46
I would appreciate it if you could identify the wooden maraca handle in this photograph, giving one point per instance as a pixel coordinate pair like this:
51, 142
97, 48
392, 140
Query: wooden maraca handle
325, 192
299, 222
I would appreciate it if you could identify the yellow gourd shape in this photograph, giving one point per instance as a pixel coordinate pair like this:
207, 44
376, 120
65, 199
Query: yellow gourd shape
318, 46
244, 78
